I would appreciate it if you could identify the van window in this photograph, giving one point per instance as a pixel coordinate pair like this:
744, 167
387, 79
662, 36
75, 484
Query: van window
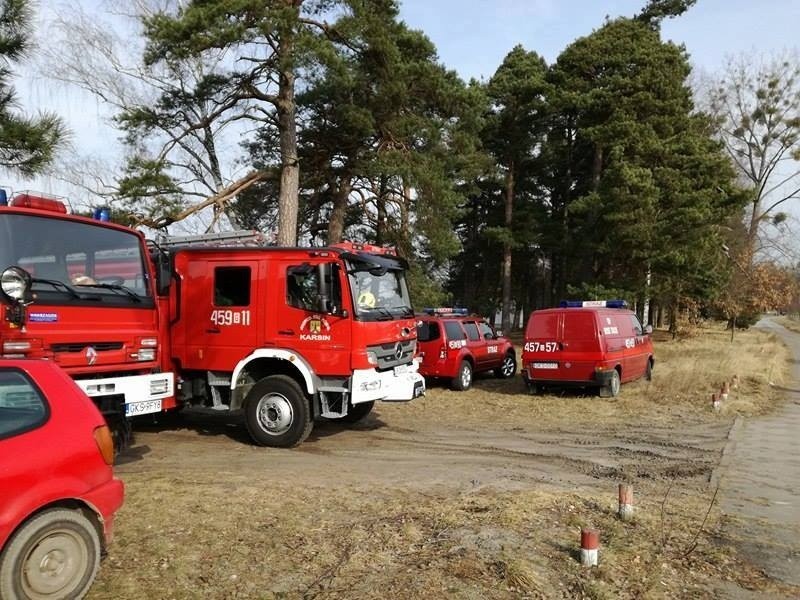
579, 326
454, 331
22, 407
427, 331
543, 325
472, 331
637, 326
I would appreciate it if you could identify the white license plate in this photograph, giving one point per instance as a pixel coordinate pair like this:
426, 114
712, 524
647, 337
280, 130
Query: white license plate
401, 369
545, 365
142, 408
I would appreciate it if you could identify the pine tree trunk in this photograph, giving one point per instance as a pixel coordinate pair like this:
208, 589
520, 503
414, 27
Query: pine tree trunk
506, 318
338, 212
290, 168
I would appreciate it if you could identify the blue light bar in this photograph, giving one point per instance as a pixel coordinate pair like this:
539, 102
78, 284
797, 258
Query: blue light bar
593, 304
446, 310
3, 197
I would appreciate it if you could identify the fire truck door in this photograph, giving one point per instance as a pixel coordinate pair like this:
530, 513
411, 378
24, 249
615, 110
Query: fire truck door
221, 320
321, 334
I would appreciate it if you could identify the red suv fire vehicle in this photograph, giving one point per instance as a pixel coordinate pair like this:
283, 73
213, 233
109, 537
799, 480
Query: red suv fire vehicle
283, 335
455, 345
593, 343
58, 493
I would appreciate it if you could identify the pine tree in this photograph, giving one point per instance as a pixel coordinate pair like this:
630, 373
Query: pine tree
27, 144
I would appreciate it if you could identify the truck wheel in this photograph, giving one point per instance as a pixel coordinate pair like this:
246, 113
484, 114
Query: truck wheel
648, 373
56, 554
508, 368
357, 412
463, 380
276, 412
611, 390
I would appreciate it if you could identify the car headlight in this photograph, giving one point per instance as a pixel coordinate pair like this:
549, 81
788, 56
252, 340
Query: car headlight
15, 283
372, 358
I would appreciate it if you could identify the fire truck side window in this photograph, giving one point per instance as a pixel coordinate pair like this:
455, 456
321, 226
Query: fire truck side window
302, 288
454, 331
472, 331
232, 286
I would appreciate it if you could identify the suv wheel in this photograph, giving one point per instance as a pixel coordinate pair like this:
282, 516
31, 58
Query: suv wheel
508, 367
463, 380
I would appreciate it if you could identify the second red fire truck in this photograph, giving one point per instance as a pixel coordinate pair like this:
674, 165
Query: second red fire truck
282, 335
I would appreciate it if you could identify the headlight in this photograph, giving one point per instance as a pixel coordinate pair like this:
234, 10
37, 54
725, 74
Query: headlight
15, 283
372, 358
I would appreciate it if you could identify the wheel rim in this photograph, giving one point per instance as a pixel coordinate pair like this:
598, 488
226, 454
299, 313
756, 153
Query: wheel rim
615, 385
275, 414
508, 366
56, 565
466, 376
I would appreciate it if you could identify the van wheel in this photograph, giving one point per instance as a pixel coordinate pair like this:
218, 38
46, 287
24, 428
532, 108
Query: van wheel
463, 380
276, 412
56, 554
648, 373
508, 368
612, 389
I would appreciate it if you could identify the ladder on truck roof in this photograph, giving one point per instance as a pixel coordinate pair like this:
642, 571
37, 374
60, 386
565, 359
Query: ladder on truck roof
242, 237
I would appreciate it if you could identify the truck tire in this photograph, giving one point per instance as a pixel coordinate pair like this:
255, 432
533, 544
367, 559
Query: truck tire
55, 554
508, 368
611, 389
277, 412
463, 379
357, 412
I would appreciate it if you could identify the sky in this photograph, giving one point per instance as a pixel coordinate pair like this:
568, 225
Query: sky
472, 37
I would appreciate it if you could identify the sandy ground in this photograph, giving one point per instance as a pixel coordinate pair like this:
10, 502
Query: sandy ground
466, 495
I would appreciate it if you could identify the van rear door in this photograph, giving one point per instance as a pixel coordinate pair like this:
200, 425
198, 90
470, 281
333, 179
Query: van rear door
541, 352
580, 345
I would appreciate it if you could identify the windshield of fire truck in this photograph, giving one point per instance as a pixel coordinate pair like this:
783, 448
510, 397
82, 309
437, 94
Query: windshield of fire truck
380, 294
73, 263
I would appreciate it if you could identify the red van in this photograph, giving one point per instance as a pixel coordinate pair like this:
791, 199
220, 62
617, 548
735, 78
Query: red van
593, 343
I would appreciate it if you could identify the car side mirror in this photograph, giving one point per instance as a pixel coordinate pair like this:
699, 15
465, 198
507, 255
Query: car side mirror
499, 333
648, 329
488, 336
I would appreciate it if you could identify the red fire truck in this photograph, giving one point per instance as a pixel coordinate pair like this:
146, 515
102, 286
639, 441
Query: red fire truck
282, 335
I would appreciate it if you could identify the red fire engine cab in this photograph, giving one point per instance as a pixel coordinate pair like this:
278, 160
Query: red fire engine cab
78, 291
287, 335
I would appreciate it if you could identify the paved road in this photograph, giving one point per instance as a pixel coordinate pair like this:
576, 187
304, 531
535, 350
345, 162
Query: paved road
760, 484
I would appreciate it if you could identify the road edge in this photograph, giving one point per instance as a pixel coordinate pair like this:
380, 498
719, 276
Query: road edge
727, 451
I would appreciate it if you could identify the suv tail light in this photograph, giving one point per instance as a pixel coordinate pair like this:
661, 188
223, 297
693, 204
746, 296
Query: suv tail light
105, 443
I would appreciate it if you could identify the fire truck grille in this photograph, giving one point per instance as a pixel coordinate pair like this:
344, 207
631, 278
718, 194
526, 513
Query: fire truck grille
81, 346
393, 354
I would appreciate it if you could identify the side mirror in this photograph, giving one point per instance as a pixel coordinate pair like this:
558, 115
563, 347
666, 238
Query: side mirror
488, 336
499, 333
648, 329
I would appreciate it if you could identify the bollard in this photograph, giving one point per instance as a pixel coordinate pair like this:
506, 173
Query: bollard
590, 545
724, 391
715, 402
625, 501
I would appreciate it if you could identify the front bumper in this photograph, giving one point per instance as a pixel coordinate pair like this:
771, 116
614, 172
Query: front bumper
400, 384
